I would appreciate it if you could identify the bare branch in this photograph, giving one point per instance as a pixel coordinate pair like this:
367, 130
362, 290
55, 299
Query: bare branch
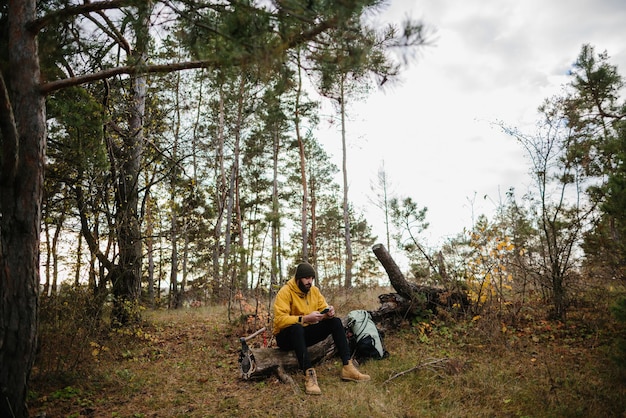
111, 31
434, 363
38, 24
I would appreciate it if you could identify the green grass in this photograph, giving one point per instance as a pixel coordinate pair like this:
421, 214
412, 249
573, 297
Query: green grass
184, 364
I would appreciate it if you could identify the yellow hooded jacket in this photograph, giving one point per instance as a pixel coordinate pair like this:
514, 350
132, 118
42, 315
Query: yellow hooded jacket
292, 304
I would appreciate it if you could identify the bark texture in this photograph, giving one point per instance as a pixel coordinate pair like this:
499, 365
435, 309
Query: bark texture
20, 209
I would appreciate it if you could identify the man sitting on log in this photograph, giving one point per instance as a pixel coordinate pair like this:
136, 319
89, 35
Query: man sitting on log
302, 318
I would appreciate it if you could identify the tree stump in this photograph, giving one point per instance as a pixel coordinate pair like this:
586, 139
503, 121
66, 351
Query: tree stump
396, 278
413, 298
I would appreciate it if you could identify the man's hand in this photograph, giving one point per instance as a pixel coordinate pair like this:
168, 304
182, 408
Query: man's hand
313, 318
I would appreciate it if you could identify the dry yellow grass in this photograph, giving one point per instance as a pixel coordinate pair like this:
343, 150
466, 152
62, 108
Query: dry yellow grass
184, 364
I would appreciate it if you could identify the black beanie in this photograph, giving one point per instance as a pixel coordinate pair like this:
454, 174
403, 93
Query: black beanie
304, 270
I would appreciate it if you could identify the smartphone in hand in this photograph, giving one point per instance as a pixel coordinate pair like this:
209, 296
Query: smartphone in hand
325, 310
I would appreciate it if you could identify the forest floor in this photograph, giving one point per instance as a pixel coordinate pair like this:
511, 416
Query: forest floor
184, 363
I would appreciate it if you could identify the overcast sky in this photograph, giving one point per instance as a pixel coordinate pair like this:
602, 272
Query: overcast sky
491, 61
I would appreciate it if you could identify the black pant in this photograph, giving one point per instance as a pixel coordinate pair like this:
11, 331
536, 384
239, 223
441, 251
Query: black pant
298, 338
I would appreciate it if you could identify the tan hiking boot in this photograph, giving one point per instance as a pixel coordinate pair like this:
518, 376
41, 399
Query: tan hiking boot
310, 383
349, 372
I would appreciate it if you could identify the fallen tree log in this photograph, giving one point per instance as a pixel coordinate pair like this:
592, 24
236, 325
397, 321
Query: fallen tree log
266, 360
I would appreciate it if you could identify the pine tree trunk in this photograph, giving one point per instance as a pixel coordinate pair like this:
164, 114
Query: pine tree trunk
305, 191
175, 295
21, 182
275, 221
126, 279
346, 210
150, 250
220, 195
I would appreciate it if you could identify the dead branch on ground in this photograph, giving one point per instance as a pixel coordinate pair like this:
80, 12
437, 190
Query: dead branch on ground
431, 365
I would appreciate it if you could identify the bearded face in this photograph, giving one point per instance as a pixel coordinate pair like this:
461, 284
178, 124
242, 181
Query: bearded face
305, 285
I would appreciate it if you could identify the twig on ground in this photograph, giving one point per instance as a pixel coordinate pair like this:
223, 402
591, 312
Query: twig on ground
286, 378
431, 364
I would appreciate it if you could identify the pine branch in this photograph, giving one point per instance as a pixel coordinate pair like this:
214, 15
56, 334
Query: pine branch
52, 86
38, 24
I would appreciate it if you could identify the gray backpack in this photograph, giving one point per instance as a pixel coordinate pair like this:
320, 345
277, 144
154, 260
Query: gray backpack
363, 336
